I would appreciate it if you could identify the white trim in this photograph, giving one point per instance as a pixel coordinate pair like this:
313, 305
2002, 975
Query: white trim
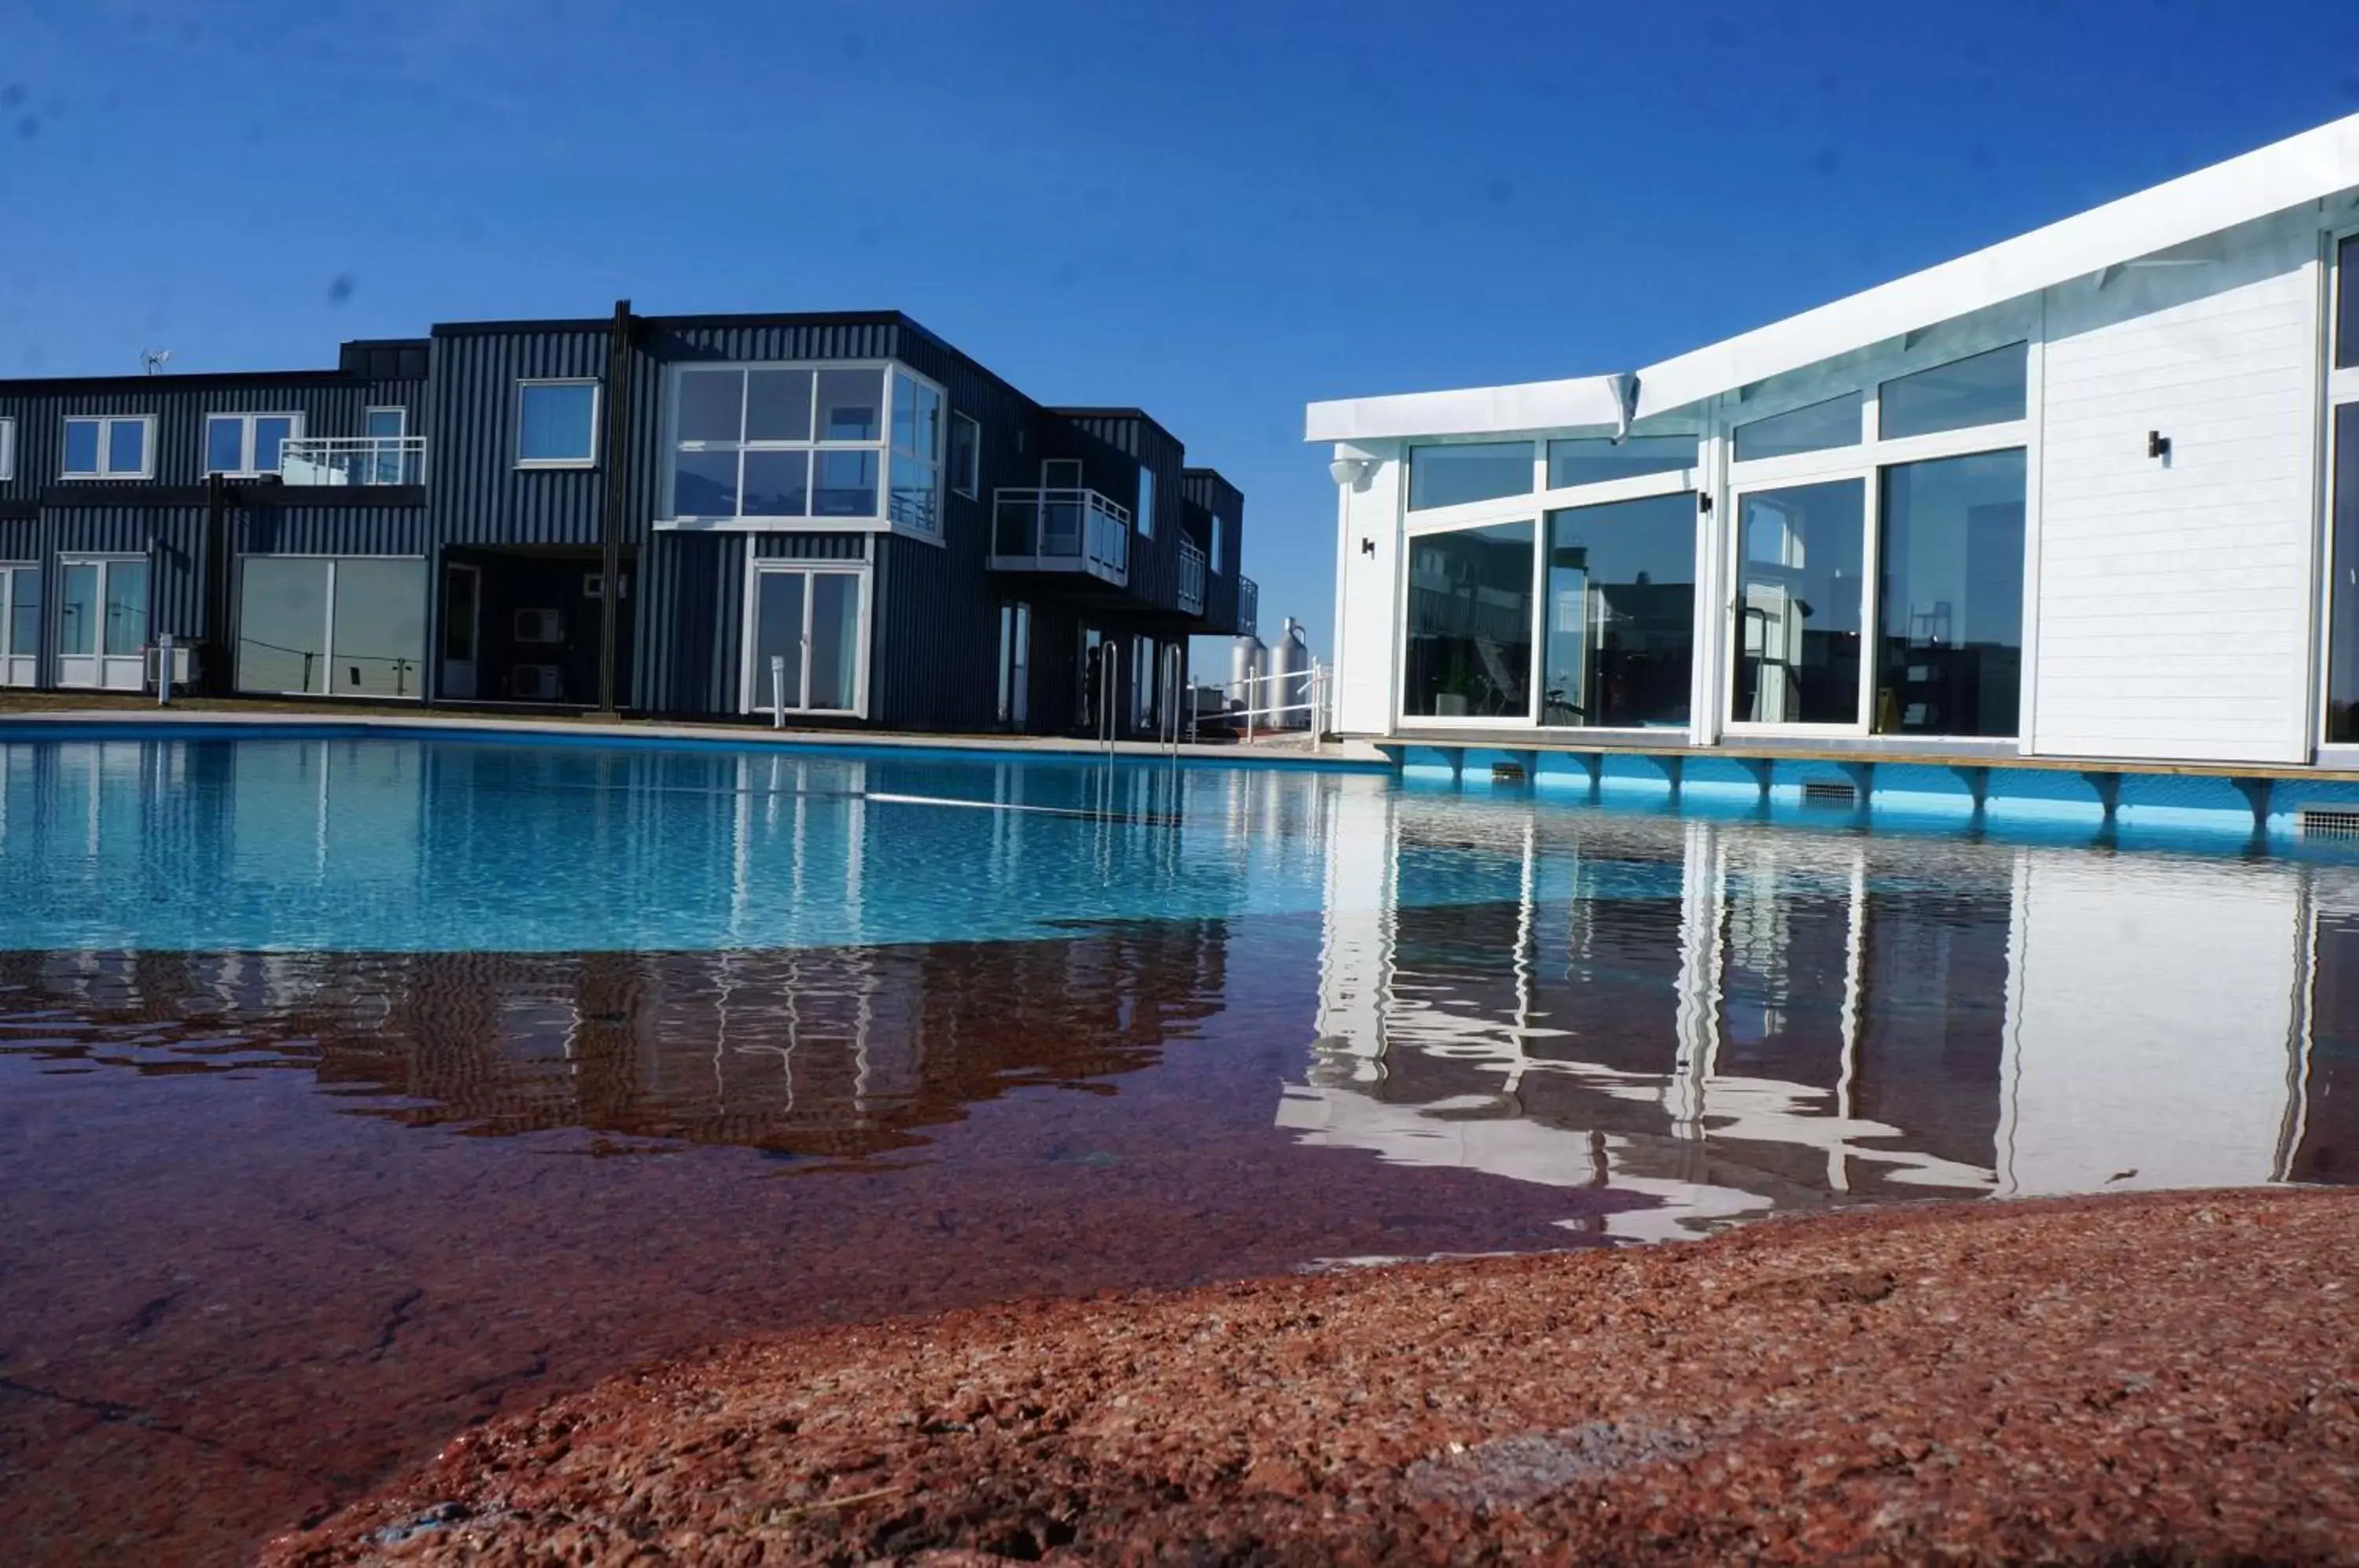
749, 691
597, 406
245, 438
106, 423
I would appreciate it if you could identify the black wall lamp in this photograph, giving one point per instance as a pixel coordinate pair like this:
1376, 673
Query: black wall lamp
2156, 445
1367, 547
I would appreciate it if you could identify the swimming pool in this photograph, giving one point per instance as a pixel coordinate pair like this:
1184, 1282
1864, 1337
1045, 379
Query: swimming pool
351, 1087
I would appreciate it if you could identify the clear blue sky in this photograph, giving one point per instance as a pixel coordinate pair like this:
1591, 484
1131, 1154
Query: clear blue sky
1215, 211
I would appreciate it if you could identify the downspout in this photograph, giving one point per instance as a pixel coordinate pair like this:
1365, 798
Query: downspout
215, 675
618, 426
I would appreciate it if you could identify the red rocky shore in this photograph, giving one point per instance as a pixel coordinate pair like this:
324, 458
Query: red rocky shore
2156, 1378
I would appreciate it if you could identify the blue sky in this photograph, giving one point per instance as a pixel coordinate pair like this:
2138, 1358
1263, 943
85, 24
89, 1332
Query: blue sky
1214, 211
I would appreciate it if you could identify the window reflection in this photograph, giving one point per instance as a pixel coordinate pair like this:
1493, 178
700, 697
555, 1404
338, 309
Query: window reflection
1984, 390
1800, 579
1821, 426
1952, 596
1469, 624
1480, 471
1620, 609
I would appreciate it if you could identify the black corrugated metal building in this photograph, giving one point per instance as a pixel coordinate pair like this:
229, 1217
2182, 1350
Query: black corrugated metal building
836, 515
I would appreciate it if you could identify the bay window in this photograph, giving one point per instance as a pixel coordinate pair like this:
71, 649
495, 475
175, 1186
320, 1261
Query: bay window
757, 444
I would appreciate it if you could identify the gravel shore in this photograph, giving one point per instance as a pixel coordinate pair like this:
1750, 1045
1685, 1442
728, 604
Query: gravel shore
2171, 1377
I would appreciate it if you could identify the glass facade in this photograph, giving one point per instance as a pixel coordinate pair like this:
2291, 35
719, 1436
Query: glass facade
2346, 303
1949, 638
1469, 650
377, 630
1821, 426
351, 627
802, 441
1594, 460
1982, 390
1800, 603
1454, 476
2342, 600
282, 624
1619, 603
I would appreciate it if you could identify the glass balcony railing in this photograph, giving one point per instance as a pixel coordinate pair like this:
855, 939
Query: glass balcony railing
1248, 607
353, 460
1192, 578
1060, 530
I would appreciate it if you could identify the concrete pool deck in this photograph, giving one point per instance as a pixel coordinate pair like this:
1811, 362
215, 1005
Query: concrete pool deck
2149, 1378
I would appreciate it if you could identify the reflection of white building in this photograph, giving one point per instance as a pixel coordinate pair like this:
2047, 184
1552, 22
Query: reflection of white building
1729, 1021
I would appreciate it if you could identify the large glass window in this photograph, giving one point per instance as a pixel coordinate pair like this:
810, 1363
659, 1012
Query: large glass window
557, 424
248, 444
115, 448
1800, 603
806, 646
1951, 599
1453, 475
2346, 303
2343, 606
1619, 606
1821, 426
802, 441
24, 611
1984, 390
1594, 460
1469, 650
353, 626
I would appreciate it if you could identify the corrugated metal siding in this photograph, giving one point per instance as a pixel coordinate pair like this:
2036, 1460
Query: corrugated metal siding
811, 547
1112, 449
1208, 495
330, 404
477, 493
336, 530
692, 602
171, 538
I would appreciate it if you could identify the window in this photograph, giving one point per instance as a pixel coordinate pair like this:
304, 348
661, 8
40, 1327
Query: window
2346, 303
7, 449
1950, 598
1594, 460
1144, 518
805, 654
1014, 664
1454, 476
761, 442
1821, 426
388, 423
351, 627
1800, 603
248, 444
557, 424
1619, 639
1469, 624
1213, 553
966, 456
388, 463
1984, 390
110, 448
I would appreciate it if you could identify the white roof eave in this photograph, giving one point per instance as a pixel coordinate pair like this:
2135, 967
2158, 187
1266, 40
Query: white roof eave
2275, 179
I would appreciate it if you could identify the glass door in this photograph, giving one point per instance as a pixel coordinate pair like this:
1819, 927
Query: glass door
102, 623
20, 625
463, 625
806, 654
1799, 607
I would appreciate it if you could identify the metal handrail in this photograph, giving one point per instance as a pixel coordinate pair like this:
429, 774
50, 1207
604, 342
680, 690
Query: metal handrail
352, 460
1169, 718
1108, 669
1314, 700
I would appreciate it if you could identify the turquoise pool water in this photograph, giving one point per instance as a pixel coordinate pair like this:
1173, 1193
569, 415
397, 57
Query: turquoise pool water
351, 1087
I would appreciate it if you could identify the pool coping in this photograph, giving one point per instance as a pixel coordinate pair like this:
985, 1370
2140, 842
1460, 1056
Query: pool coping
1350, 755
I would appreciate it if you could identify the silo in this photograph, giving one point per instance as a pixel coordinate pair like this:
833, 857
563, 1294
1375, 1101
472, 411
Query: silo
1289, 662
1248, 661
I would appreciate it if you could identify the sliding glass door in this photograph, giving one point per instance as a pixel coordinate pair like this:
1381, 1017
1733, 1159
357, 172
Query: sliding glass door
20, 625
1800, 603
102, 622
808, 652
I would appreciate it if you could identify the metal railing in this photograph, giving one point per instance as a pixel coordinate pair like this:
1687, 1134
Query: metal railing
1309, 699
1167, 715
352, 460
1192, 578
1060, 530
1248, 607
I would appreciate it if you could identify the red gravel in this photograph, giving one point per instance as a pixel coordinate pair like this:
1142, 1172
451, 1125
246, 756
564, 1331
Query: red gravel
2154, 1379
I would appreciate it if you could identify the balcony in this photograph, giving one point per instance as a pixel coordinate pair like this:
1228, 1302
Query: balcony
353, 460
1060, 530
1248, 607
1192, 578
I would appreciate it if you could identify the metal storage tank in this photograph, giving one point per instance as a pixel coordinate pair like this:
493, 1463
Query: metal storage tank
1249, 662
1290, 662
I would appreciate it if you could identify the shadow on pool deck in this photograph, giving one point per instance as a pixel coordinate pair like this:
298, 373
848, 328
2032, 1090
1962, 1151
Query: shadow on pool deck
2159, 1378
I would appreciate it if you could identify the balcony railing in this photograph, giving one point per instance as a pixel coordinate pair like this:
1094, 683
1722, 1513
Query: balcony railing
1060, 530
1192, 578
1248, 607
353, 460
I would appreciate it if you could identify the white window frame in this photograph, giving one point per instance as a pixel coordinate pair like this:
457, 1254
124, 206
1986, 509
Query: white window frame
401, 418
427, 655
106, 423
880, 522
969, 485
1865, 462
7, 449
245, 469
597, 408
752, 683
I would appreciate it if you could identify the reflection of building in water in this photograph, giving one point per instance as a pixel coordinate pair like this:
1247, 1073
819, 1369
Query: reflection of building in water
1734, 1018
831, 1051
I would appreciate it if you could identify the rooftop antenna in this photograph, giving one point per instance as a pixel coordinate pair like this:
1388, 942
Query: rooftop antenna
155, 359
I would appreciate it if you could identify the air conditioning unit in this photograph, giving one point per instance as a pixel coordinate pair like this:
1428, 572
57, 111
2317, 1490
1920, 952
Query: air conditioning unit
184, 663
540, 625
536, 682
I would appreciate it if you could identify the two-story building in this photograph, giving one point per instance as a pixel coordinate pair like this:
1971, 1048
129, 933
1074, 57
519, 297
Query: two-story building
836, 517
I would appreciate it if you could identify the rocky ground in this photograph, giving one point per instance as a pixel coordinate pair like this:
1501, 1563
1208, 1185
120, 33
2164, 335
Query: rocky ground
2161, 1378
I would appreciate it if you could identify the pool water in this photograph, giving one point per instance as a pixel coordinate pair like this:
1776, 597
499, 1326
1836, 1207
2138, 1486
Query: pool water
354, 1089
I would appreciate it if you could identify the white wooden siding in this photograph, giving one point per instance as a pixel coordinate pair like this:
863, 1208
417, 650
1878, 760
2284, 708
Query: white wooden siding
2175, 595
1369, 635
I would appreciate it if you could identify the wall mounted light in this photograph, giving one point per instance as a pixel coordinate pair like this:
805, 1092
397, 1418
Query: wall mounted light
1367, 547
2156, 445
1351, 470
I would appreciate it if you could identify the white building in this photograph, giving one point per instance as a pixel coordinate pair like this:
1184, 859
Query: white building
2072, 497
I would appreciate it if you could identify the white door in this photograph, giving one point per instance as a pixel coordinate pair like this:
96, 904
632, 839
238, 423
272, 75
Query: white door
807, 653
102, 622
20, 625
462, 628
